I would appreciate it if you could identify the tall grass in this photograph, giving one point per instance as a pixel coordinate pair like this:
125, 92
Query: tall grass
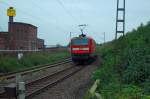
10, 64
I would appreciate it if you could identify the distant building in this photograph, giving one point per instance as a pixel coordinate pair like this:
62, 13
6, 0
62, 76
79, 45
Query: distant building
40, 43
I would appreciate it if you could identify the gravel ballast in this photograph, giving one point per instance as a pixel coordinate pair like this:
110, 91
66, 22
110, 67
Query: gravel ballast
74, 87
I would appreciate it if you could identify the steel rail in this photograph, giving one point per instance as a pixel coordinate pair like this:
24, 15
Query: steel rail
37, 90
33, 91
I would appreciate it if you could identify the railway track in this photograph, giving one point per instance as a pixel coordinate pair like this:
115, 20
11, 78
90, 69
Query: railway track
40, 85
37, 86
12, 75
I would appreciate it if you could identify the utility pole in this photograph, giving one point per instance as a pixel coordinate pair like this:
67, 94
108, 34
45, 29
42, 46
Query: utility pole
70, 41
104, 37
120, 22
70, 35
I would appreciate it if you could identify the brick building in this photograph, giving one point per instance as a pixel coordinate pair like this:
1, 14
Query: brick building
3, 40
20, 36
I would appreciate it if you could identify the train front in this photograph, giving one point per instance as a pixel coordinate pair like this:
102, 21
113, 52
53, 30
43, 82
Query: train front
80, 49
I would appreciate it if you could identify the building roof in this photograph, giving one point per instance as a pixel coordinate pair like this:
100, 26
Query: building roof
21, 23
40, 39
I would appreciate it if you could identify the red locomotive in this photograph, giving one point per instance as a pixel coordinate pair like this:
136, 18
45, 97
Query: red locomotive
82, 48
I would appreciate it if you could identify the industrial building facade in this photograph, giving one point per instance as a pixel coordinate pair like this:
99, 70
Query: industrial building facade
3, 40
20, 36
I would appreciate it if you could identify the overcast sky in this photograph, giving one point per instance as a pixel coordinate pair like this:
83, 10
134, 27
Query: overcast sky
56, 18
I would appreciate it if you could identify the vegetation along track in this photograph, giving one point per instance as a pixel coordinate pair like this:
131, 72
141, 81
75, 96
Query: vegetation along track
11, 76
33, 69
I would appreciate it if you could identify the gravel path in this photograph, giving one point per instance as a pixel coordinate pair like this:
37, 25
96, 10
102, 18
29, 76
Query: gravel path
74, 87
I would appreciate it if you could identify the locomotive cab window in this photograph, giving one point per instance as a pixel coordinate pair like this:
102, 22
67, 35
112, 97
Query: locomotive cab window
80, 41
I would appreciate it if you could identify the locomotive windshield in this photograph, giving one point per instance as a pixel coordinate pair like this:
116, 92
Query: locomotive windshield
83, 41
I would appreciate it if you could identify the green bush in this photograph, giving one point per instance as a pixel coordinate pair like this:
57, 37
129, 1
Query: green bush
132, 92
126, 66
138, 66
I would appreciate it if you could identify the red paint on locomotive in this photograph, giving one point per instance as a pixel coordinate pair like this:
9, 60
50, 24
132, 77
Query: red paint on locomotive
83, 48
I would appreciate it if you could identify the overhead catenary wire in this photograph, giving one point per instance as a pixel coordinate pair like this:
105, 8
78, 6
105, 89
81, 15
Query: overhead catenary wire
96, 35
68, 12
95, 32
36, 18
89, 27
60, 3
80, 18
23, 12
43, 10
76, 20
29, 15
